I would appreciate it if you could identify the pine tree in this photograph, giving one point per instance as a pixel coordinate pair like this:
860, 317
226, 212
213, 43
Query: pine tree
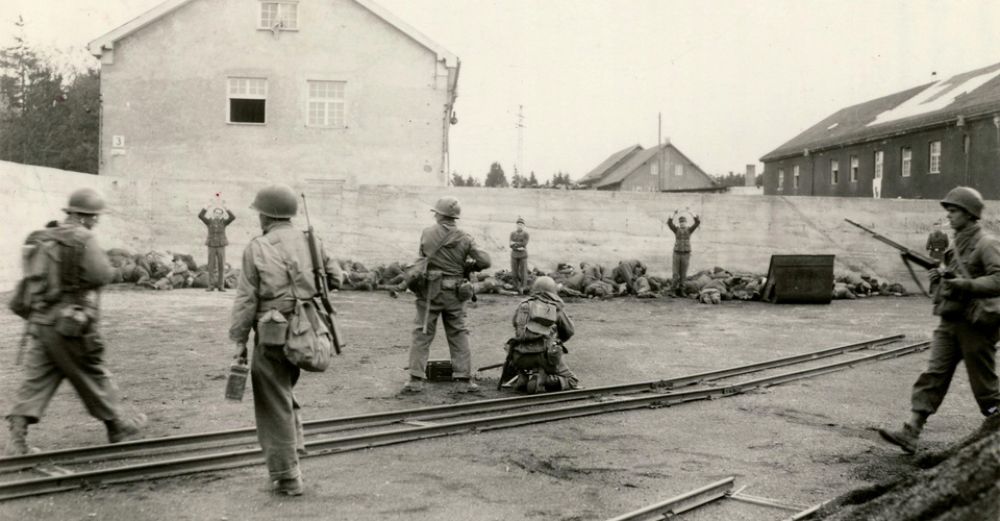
496, 177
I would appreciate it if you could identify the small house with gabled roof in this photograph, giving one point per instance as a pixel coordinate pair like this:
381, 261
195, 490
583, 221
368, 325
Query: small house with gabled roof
658, 169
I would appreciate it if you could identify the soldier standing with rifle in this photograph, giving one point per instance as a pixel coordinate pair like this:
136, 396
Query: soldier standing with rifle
446, 253
971, 271
266, 284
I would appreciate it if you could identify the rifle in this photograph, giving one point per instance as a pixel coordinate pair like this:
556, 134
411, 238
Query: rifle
907, 255
322, 288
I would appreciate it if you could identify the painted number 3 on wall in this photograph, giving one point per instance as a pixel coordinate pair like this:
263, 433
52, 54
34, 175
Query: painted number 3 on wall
118, 141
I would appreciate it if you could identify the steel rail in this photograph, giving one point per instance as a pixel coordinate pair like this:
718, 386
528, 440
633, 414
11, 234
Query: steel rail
243, 436
682, 503
220, 461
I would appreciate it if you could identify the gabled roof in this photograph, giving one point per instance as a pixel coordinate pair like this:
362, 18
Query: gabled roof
622, 171
107, 41
612, 161
968, 94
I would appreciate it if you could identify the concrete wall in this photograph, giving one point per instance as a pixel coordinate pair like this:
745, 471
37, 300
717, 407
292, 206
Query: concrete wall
164, 90
376, 224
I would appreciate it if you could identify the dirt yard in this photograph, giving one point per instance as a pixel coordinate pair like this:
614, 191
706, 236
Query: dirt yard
801, 443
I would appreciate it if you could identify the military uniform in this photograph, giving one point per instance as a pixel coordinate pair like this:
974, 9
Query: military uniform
538, 356
632, 274
446, 249
216, 243
264, 284
975, 259
519, 258
937, 243
55, 353
682, 252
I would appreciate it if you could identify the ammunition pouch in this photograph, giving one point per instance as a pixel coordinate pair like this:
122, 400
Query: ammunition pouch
272, 328
72, 321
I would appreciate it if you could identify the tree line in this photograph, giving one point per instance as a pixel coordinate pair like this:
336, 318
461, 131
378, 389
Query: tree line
48, 116
497, 178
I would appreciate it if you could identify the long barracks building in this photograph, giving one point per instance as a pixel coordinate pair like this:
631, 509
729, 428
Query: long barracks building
918, 143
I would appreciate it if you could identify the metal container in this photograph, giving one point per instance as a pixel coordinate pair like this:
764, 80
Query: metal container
236, 383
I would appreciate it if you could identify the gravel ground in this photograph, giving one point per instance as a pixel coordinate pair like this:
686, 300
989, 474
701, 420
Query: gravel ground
800, 443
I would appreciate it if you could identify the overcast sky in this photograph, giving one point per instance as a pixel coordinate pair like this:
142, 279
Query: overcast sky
733, 79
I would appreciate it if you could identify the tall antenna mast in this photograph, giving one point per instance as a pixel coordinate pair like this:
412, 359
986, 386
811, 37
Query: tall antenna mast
519, 167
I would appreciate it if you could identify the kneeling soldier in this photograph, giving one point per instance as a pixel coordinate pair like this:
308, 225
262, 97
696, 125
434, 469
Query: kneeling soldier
541, 325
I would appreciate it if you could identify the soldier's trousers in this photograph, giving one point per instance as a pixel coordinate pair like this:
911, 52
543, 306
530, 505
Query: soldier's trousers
519, 269
550, 362
279, 428
51, 358
452, 312
216, 267
953, 342
681, 260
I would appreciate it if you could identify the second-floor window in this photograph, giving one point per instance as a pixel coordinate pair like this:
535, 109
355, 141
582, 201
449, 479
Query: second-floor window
325, 107
834, 171
247, 100
935, 157
855, 165
282, 16
905, 161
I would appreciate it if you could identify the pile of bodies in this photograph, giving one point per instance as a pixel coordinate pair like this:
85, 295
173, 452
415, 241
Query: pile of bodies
163, 270
166, 270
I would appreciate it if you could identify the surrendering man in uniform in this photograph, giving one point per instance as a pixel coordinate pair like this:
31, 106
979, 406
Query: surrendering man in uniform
682, 249
446, 254
974, 259
216, 243
62, 319
519, 256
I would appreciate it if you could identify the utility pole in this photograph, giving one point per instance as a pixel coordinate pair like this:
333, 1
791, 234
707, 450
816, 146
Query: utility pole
659, 151
519, 167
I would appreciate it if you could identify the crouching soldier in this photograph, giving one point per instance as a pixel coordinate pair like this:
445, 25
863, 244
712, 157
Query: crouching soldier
541, 325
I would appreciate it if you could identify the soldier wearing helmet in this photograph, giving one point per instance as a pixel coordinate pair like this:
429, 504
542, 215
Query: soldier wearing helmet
535, 353
446, 255
216, 242
971, 270
265, 285
65, 269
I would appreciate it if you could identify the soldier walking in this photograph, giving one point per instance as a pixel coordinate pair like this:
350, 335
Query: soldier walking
265, 284
68, 269
442, 289
519, 256
217, 242
682, 249
975, 258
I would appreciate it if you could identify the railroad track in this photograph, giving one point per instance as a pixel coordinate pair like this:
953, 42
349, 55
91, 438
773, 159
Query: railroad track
406, 425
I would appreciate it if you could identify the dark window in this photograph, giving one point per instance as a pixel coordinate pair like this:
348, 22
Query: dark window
246, 110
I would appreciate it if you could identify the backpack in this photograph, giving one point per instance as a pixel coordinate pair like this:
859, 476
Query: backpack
535, 319
40, 281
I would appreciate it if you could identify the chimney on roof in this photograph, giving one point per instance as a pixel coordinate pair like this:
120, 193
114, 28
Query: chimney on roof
751, 179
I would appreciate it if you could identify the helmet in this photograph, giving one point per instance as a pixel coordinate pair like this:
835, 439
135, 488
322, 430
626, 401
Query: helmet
85, 201
544, 284
965, 198
447, 206
276, 201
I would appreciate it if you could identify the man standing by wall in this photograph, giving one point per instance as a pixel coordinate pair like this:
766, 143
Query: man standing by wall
682, 249
447, 254
216, 242
62, 323
265, 285
519, 256
975, 258
937, 243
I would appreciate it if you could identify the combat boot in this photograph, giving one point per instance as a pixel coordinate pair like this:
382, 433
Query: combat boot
120, 430
905, 438
289, 487
17, 443
536, 382
930, 458
467, 385
414, 386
